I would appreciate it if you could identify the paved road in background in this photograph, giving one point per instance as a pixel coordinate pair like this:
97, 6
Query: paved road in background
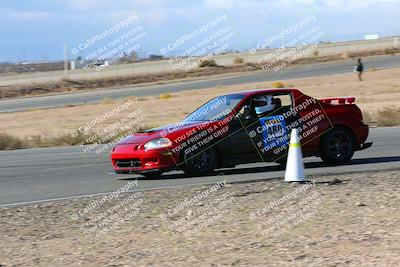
312, 70
40, 174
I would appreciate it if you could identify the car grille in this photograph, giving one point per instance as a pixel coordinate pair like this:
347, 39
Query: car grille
128, 163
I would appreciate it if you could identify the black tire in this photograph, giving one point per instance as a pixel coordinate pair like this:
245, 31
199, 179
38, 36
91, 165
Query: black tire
337, 146
201, 163
152, 175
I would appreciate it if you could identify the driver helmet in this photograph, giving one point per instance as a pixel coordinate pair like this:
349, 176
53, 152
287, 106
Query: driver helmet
264, 104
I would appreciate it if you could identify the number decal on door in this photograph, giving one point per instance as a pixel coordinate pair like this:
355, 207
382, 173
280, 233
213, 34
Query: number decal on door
274, 132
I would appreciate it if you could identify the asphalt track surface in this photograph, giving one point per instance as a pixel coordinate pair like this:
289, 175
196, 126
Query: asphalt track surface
43, 174
311, 70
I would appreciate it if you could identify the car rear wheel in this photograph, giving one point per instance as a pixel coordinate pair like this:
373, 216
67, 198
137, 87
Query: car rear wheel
337, 146
200, 163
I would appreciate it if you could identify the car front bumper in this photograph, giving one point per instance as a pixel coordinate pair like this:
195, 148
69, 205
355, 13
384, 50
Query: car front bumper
127, 160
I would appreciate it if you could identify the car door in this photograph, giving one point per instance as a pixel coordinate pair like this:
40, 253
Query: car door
239, 140
272, 132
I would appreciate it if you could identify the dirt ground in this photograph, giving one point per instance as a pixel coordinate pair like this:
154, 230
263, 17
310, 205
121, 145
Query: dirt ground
346, 220
380, 89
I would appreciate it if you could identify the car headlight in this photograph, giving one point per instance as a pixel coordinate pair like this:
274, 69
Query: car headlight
158, 143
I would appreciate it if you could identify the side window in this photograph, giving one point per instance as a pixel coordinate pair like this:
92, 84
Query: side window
272, 104
283, 103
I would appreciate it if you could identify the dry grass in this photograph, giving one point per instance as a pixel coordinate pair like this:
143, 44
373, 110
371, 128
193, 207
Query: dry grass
10, 142
390, 51
389, 116
345, 55
278, 85
164, 96
367, 118
238, 60
208, 63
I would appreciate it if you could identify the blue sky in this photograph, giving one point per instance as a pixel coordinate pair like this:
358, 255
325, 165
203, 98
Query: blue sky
37, 29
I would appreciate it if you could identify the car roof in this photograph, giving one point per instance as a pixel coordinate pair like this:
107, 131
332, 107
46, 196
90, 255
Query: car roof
261, 91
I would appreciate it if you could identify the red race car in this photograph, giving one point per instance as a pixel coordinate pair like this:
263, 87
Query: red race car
246, 127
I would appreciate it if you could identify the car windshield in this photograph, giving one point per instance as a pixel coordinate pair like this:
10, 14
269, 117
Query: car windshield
215, 109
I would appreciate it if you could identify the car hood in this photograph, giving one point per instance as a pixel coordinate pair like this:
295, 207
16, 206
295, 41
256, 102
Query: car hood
164, 131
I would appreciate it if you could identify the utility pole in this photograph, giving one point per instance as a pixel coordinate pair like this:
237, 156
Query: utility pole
65, 60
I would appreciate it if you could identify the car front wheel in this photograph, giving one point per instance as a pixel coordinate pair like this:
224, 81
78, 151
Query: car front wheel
200, 163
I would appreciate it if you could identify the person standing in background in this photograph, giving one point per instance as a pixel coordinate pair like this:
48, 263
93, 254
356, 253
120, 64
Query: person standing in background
359, 68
